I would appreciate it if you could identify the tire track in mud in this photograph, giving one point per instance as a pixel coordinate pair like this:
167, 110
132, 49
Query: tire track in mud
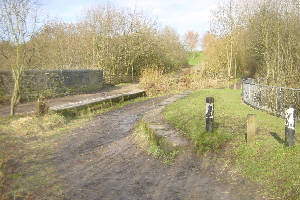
101, 161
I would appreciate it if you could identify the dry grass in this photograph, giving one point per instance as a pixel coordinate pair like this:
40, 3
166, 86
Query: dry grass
155, 82
27, 143
35, 125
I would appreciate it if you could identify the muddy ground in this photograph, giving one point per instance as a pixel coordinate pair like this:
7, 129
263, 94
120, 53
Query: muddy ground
102, 161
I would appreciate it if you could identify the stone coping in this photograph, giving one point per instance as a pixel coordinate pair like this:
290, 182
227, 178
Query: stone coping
169, 139
92, 101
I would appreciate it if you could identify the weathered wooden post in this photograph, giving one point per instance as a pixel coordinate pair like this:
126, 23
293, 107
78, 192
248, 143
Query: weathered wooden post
290, 126
251, 128
209, 113
41, 107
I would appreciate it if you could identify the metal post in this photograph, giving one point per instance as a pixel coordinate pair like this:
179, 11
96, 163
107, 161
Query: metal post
209, 113
279, 102
290, 126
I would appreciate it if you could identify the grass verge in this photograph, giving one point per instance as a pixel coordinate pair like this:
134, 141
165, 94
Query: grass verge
269, 162
27, 151
147, 140
195, 58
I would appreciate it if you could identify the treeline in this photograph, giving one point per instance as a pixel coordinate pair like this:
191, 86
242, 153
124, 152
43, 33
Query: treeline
121, 42
256, 38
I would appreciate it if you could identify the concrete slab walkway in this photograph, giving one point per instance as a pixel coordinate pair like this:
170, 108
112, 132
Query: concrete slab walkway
73, 101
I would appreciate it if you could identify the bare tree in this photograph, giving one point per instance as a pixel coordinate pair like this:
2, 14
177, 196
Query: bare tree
118, 41
257, 38
191, 40
18, 25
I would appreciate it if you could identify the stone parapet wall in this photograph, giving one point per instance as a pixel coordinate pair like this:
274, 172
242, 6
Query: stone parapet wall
48, 84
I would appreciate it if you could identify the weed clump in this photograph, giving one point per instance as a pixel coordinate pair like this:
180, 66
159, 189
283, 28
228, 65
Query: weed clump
31, 125
211, 141
146, 139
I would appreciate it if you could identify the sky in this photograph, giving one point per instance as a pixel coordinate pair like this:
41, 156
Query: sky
182, 15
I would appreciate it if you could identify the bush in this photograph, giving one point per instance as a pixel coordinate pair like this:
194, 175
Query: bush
155, 82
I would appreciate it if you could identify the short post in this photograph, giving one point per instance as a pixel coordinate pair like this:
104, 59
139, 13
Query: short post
290, 126
209, 113
41, 107
251, 128
279, 101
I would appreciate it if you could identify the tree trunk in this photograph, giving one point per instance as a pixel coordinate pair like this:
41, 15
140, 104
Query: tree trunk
132, 72
15, 97
16, 73
235, 68
230, 60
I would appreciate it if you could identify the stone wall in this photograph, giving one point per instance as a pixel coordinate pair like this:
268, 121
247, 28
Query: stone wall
48, 84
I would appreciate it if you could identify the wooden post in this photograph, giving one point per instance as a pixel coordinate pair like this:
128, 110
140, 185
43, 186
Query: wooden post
209, 113
290, 126
41, 107
251, 128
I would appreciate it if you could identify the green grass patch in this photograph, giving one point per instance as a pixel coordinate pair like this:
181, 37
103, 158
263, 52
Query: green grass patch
269, 162
147, 140
195, 58
122, 84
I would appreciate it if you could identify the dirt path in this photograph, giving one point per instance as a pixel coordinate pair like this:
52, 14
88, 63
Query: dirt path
101, 161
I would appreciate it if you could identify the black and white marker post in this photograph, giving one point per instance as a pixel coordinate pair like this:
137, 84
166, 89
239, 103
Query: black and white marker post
209, 113
290, 126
